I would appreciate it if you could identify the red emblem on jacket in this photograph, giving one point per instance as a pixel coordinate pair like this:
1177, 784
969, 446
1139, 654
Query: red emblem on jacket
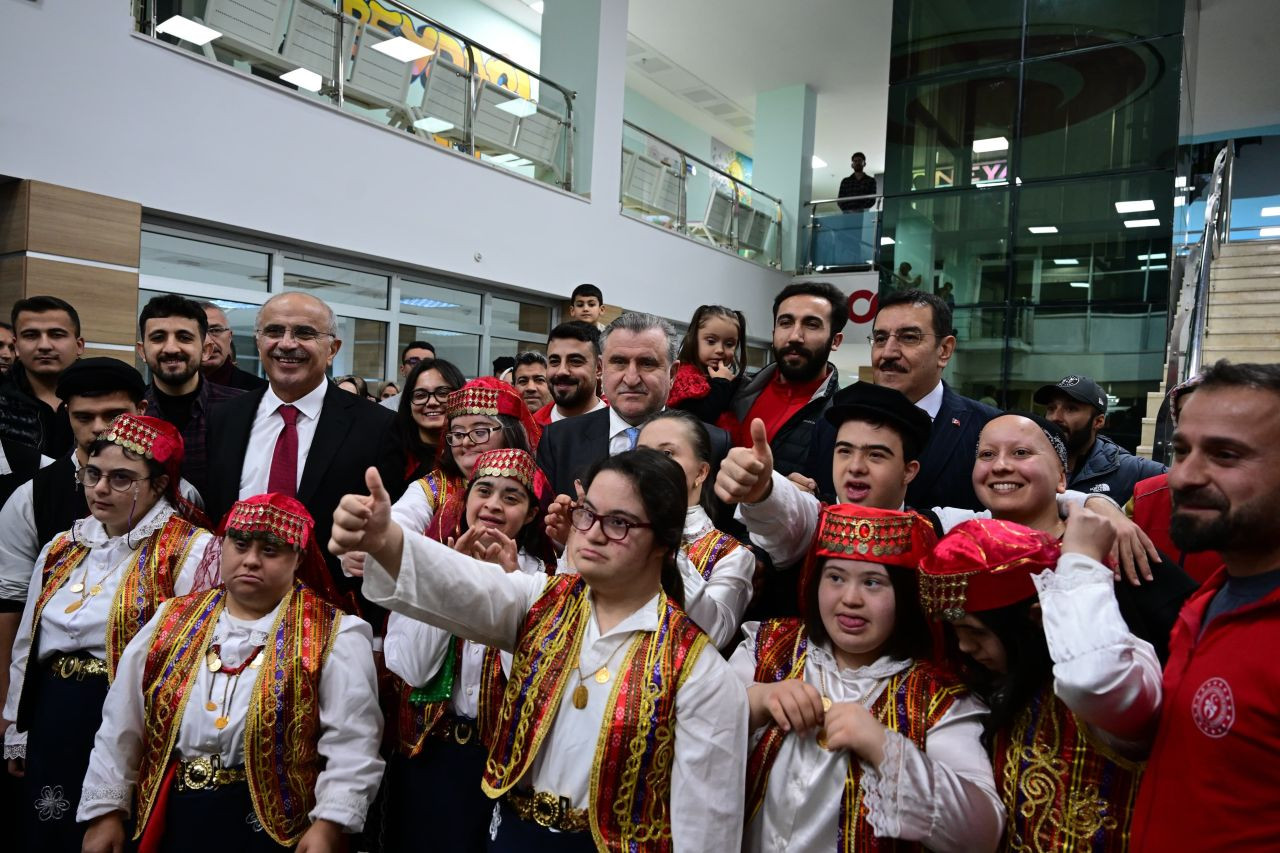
1213, 708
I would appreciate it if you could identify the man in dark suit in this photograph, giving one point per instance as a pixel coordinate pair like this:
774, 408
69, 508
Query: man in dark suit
639, 352
301, 436
911, 343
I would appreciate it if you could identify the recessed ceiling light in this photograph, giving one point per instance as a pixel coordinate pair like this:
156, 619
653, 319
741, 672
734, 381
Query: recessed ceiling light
995, 143
887, 241
1136, 206
431, 124
1066, 262
519, 107
402, 49
1141, 223
1158, 257
1271, 211
817, 162
1179, 201
187, 30
1269, 232
1180, 181
304, 79
1043, 229
1079, 284
1155, 268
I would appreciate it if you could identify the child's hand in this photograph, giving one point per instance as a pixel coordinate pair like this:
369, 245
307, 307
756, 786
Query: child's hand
717, 369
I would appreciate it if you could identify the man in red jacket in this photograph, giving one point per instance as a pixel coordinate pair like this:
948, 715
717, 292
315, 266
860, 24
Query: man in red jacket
1213, 779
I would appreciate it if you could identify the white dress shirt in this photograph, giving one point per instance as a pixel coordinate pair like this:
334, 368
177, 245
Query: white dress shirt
85, 629
619, 441
715, 604
1108, 677
931, 403
944, 797
267, 425
556, 417
350, 720
416, 651
481, 602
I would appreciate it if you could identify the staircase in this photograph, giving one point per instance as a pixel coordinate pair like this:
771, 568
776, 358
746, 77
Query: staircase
1244, 303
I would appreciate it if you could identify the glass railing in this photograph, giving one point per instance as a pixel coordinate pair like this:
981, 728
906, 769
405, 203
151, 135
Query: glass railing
843, 233
673, 189
390, 64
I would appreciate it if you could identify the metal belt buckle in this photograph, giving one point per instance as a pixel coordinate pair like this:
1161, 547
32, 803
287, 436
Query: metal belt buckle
201, 773
462, 732
68, 667
548, 809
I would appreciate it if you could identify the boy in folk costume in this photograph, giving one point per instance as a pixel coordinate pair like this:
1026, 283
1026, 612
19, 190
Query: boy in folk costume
244, 718
858, 740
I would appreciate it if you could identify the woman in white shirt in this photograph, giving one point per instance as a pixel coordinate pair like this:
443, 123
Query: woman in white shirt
244, 718
451, 688
92, 589
857, 739
619, 728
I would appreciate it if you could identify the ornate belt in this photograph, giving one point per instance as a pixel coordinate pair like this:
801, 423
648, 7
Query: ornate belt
206, 773
77, 666
460, 730
548, 810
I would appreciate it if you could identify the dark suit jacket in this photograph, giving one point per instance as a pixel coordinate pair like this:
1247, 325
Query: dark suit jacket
569, 447
946, 465
351, 435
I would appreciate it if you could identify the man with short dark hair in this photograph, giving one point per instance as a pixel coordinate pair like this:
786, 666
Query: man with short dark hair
573, 372
530, 379
1095, 463
586, 303
791, 394
48, 342
857, 184
219, 364
8, 350
171, 340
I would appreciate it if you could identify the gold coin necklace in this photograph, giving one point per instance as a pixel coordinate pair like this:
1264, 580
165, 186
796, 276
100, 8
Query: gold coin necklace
601, 676
213, 660
826, 706
96, 589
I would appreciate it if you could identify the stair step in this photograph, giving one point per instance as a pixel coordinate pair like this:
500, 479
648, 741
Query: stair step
1249, 247
1226, 311
1256, 296
1240, 355
1255, 260
1255, 325
1221, 273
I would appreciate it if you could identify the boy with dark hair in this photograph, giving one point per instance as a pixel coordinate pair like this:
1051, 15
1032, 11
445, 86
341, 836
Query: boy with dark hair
586, 303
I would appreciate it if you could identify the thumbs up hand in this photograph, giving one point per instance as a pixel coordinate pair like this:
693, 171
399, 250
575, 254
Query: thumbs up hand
363, 522
746, 474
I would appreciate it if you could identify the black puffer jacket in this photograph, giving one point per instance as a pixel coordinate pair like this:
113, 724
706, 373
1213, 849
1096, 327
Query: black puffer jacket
1112, 471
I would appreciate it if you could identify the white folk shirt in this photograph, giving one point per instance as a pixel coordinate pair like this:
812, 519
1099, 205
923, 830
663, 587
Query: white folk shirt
943, 797
267, 425
412, 510
85, 629
715, 604
416, 651
481, 602
350, 721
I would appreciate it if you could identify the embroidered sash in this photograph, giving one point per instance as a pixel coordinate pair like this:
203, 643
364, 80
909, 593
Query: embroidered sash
630, 788
705, 551
445, 497
1063, 789
912, 702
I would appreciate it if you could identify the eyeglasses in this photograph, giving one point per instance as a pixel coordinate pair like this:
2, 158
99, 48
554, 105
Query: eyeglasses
219, 330
906, 338
479, 435
118, 481
300, 333
422, 395
615, 527
412, 361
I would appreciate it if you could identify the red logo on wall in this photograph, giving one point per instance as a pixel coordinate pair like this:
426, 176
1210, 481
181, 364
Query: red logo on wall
872, 300
1213, 708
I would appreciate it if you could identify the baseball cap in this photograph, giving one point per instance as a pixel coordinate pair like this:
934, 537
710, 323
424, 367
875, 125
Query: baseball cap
1077, 387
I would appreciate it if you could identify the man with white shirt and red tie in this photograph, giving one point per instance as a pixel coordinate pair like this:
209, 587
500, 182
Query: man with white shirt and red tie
301, 436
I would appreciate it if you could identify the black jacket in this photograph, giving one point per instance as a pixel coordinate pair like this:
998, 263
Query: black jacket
792, 443
1112, 471
26, 419
24, 462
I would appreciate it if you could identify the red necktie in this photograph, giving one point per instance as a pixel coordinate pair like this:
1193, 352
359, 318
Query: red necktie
283, 478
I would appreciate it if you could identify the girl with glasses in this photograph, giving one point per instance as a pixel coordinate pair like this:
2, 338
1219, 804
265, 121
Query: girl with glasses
620, 729
420, 418
92, 589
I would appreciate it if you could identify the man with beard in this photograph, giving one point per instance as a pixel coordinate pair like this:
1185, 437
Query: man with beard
219, 363
912, 341
573, 372
1220, 711
172, 331
791, 394
1095, 463
530, 379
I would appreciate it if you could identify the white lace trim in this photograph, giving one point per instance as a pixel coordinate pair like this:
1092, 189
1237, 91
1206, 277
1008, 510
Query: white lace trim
880, 787
884, 667
90, 532
15, 750
696, 523
346, 809
112, 795
1072, 576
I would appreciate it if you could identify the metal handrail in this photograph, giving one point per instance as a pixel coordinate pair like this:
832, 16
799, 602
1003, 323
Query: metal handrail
695, 158
818, 201
813, 225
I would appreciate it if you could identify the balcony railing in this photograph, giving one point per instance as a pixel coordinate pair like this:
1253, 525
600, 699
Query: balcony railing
843, 233
673, 189
389, 63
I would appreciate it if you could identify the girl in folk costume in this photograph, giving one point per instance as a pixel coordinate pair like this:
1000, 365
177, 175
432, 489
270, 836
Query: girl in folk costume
860, 744
616, 716
434, 777
1069, 686
715, 567
93, 588
244, 718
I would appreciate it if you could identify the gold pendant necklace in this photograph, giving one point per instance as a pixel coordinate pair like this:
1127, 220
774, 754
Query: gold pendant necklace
96, 589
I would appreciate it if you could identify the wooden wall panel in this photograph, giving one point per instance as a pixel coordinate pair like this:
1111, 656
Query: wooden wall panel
13, 216
13, 274
107, 300
94, 352
76, 224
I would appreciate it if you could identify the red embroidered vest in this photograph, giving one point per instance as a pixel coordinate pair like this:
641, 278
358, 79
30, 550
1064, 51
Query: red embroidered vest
283, 725
415, 720
705, 551
912, 702
1063, 789
630, 792
445, 496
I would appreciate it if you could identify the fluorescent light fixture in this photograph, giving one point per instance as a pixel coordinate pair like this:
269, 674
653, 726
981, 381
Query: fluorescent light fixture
1141, 223
1269, 232
431, 124
998, 182
1180, 181
519, 107
1137, 206
995, 143
538, 6
887, 241
1043, 229
1179, 201
1157, 257
426, 302
1271, 211
402, 49
817, 162
304, 79
1066, 262
1079, 284
1148, 267
188, 30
